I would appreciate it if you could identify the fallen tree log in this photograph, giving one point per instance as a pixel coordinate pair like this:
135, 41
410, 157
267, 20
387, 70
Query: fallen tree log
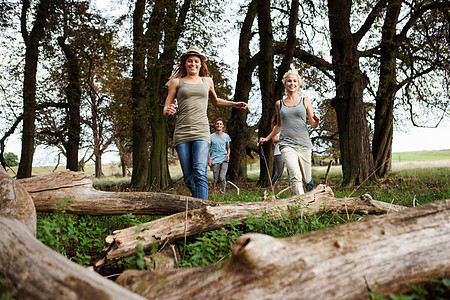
52, 189
122, 243
380, 252
34, 271
15, 202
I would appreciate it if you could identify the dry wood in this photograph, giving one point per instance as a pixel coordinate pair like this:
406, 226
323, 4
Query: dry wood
50, 190
344, 262
15, 202
38, 272
122, 243
33, 270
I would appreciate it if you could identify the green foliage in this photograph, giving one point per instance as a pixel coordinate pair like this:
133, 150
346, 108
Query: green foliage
76, 237
79, 238
137, 260
284, 224
11, 159
433, 289
7, 290
214, 246
210, 247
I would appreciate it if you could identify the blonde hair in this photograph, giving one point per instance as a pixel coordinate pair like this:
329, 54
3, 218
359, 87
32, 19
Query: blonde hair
180, 69
293, 71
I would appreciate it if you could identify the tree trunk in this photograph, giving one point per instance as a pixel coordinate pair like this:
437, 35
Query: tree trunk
384, 109
266, 80
140, 121
383, 253
50, 190
159, 70
168, 229
289, 50
356, 156
32, 41
73, 94
98, 166
237, 124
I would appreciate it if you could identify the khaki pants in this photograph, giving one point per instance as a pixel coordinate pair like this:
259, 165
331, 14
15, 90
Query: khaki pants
298, 164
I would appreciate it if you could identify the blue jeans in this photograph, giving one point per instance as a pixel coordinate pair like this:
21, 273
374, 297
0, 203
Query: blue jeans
193, 158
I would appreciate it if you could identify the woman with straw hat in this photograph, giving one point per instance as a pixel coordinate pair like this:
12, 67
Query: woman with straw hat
191, 85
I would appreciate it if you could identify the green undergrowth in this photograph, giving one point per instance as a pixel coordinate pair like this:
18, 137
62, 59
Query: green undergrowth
213, 246
82, 238
409, 187
435, 289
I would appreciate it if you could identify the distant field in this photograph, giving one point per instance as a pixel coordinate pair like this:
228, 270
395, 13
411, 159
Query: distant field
400, 161
421, 155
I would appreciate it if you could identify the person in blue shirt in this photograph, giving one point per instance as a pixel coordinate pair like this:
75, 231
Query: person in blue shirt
219, 155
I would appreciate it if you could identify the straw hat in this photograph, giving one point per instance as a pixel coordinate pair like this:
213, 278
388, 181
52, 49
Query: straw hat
193, 50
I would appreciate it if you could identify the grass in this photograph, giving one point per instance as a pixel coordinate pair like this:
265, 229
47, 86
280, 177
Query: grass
421, 155
405, 187
81, 238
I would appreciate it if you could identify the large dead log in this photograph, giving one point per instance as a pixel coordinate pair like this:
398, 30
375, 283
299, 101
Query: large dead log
50, 190
33, 270
38, 272
344, 262
122, 243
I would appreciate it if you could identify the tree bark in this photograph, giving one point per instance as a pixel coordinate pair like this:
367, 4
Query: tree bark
164, 19
37, 272
237, 124
139, 176
356, 155
32, 41
266, 81
384, 108
122, 243
383, 253
73, 94
50, 190
16, 203
33, 270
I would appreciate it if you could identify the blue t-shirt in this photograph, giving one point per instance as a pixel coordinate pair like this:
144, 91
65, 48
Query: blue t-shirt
218, 147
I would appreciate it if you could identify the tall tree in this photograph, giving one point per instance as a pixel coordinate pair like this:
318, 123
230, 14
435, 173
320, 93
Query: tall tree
272, 88
140, 157
151, 69
418, 55
32, 40
73, 94
237, 124
357, 161
267, 82
173, 24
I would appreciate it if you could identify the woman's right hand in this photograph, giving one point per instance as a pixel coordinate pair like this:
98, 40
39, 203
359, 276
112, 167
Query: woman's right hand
262, 140
170, 110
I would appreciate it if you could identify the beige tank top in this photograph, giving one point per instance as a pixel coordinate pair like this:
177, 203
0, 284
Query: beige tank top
192, 119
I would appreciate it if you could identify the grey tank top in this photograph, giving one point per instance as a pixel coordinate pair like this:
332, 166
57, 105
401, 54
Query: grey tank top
294, 132
192, 119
